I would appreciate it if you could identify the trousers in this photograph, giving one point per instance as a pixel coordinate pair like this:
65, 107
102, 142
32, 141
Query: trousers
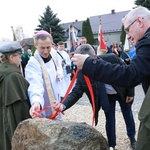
111, 119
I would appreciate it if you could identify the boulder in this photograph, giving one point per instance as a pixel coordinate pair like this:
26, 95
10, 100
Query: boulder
45, 134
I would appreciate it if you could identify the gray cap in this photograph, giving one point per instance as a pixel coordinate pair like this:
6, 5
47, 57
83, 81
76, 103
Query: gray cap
10, 47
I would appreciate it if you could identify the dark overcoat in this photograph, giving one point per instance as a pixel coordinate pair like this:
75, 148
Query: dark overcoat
138, 71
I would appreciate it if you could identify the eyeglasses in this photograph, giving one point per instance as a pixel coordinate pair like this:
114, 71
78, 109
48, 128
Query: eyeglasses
127, 29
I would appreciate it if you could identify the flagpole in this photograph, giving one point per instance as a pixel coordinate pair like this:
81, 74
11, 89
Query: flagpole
126, 45
102, 48
69, 31
74, 37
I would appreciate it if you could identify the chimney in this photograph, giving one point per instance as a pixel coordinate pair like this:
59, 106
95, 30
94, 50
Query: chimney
113, 11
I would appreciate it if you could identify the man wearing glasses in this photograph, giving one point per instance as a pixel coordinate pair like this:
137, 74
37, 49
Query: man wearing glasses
127, 29
137, 26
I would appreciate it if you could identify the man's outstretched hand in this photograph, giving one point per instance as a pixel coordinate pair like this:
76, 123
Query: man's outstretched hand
78, 59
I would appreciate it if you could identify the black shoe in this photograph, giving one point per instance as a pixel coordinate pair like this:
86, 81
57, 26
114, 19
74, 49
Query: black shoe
133, 143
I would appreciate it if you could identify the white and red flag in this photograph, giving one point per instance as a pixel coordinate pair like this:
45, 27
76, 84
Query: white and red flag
72, 38
102, 48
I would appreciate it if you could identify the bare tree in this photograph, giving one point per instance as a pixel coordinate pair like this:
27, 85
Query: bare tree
19, 33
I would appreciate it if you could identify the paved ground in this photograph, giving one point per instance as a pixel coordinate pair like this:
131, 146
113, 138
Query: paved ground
138, 99
82, 112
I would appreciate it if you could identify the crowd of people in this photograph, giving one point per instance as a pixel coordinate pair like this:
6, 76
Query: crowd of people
38, 80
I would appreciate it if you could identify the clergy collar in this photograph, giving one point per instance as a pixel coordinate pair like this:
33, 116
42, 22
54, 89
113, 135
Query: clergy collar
47, 59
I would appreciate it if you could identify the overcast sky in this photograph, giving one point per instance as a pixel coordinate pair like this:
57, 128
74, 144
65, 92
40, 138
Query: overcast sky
27, 12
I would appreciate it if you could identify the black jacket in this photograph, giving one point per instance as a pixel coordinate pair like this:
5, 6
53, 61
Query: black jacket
121, 91
127, 76
81, 87
77, 92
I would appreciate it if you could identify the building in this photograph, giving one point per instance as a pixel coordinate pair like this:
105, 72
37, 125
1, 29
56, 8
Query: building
111, 27
27, 44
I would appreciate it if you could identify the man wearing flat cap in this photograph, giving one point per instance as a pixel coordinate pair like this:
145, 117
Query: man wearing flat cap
13, 94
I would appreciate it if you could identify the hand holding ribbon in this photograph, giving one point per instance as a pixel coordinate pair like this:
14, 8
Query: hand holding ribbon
35, 107
36, 113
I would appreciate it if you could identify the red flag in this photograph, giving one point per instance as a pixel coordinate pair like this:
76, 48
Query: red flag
102, 48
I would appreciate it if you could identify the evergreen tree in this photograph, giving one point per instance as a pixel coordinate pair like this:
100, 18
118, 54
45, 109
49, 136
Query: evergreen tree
84, 28
50, 23
87, 31
123, 36
145, 3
